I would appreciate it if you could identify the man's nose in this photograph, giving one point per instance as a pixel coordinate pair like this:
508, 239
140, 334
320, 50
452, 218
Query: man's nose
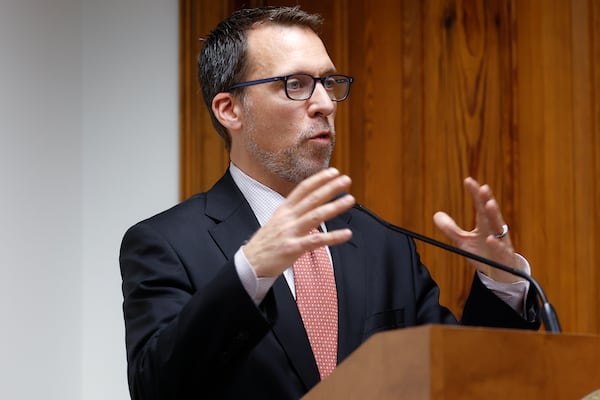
321, 101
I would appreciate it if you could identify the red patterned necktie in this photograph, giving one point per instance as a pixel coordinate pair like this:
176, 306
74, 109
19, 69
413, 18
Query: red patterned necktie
316, 297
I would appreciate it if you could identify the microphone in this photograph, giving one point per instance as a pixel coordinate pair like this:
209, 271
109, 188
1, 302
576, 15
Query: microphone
549, 316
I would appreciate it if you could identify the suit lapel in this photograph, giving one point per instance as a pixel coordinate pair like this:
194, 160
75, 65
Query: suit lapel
290, 333
349, 264
236, 223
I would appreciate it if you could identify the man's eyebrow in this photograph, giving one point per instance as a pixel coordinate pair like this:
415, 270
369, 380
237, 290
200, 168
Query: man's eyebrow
331, 71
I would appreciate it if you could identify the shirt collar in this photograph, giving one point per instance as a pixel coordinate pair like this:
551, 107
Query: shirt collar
262, 199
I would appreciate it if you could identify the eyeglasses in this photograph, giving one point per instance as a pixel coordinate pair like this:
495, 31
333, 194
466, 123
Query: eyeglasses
301, 86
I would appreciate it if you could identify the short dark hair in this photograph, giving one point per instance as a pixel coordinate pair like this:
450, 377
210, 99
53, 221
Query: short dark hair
223, 60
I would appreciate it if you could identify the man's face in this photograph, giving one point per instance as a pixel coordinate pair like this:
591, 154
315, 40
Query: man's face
283, 141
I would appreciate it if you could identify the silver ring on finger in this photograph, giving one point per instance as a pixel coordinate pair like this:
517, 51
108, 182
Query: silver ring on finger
503, 233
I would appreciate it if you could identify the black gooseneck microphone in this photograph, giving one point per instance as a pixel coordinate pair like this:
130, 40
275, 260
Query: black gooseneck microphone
549, 316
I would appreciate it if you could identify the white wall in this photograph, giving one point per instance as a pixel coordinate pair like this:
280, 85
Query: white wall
41, 199
88, 146
130, 160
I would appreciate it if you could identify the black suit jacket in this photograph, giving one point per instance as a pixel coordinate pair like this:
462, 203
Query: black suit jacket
193, 332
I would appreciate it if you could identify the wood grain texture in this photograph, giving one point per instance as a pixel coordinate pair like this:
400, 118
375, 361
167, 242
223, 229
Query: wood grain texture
450, 363
202, 154
558, 150
506, 91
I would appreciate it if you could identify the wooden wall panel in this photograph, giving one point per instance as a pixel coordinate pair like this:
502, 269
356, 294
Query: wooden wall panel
590, 315
202, 154
587, 237
558, 150
467, 115
507, 91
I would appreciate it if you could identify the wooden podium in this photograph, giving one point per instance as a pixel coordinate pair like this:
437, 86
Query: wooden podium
442, 362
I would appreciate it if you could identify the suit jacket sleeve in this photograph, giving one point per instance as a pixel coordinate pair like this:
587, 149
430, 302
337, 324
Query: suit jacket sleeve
484, 308
169, 322
403, 292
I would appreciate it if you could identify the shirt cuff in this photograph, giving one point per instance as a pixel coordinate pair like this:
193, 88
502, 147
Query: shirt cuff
256, 287
514, 293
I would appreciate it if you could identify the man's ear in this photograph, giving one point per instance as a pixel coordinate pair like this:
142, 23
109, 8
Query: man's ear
227, 110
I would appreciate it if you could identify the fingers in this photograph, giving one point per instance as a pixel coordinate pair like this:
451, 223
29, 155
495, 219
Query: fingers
448, 226
310, 202
480, 194
286, 236
489, 217
494, 216
312, 183
312, 241
482, 240
318, 189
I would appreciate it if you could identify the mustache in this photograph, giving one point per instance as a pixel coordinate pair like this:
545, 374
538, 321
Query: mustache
313, 130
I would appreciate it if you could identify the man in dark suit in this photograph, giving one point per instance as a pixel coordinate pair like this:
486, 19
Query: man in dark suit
211, 286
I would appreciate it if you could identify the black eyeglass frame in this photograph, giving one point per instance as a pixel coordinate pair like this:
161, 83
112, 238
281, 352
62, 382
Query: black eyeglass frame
285, 78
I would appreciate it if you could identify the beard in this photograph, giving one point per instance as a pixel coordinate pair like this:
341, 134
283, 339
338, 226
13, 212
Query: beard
298, 161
